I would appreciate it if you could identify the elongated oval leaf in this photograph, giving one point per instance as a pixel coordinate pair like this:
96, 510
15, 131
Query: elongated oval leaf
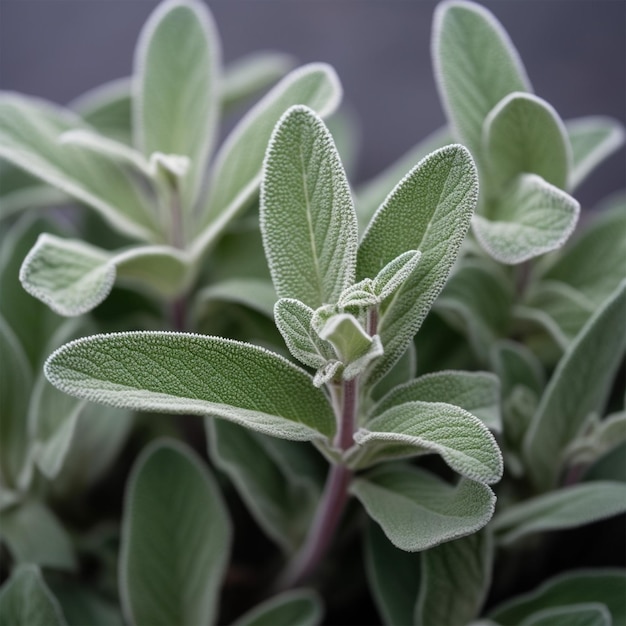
578, 387
417, 511
177, 90
299, 607
184, 373
307, 217
175, 539
430, 211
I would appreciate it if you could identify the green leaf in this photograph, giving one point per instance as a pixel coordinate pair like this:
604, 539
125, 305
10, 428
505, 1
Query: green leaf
252, 292
568, 507
82, 605
236, 174
579, 386
347, 336
417, 511
455, 580
476, 65
175, 539
593, 139
402, 372
193, 374
461, 439
29, 131
25, 600
177, 87
524, 134
307, 217
530, 218
603, 435
298, 607
393, 577
394, 274
587, 614
281, 488
430, 211
611, 466
475, 392
33, 534
569, 589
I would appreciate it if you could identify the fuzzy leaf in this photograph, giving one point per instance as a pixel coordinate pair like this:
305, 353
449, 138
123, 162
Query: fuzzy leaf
579, 386
569, 589
194, 374
177, 87
569, 507
455, 580
307, 217
430, 211
394, 274
476, 65
298, 607
524, 134
347, 336
461, 439
475, 392
25, 600
417, 511
175, 539
531, 217
592, 139
236, 174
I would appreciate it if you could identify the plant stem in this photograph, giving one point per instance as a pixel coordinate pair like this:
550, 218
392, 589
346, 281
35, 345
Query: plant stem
345, 427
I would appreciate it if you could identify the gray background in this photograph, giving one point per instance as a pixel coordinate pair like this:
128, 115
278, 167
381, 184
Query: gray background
574, 51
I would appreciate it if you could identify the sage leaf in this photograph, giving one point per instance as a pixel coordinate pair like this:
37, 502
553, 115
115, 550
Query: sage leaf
593, 139
418, 511
578, 387
604, 586
475, 65
299, 607
603, 435
584, 614
455, 580
402, 372
523, 133
175, 539
394, 274
461, 439
194, 374
568, 507
25, 600
429, 210
476, 392
81, 605
177, 87
530, 218
308, 221
236, 174
252, 292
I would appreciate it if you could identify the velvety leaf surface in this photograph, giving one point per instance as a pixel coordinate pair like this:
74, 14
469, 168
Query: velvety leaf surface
307, 217
299, 607
417, 511
194, 374
175, 539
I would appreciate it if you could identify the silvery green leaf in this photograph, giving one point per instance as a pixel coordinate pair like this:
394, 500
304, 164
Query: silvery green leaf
193, 374
281, 488
604, 586
524, 134
417, 427
73, 277
236, 174
308, 221
568, 507
393, 275
347, 336
176, 538
593, 139
418, 511
579, 386
29, 131
249, 75
429, 210
476, 65
476, 392
25, 600
402, 372
252, 292
584, 614
33, 534
177, 88
298, 607
327, 372
393, 576
358, 296
373, 193
293, 319
455, 580
530, 218
604, 435
357, 366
